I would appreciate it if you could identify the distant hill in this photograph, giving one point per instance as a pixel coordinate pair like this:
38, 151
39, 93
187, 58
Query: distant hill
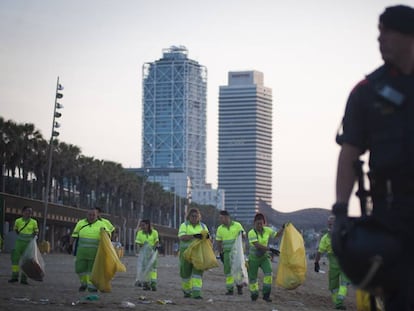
303, 219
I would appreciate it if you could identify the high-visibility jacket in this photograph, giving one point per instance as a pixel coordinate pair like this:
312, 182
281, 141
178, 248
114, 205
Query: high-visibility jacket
228, 234
187, 228
88, 234
261, 238
26, 228
151, 238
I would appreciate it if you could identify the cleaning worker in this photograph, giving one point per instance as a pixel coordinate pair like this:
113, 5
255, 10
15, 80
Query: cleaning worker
26, 228
338, 282
226, 236
87, 236
148, 235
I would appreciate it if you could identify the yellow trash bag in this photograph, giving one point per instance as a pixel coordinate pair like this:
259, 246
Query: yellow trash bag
106, 264
363, 302
291, 270
200, 253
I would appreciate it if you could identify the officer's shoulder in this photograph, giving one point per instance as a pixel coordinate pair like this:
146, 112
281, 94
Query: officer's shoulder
371, 79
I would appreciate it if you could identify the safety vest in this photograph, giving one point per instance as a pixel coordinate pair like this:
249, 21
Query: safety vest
261, 238
26, 228
190, 229
88, 234
228, 234
151, 238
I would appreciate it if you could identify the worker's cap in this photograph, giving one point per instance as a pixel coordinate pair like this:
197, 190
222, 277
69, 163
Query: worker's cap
399, 18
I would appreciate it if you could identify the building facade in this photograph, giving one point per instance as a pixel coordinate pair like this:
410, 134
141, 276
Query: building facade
245, 144
174, 115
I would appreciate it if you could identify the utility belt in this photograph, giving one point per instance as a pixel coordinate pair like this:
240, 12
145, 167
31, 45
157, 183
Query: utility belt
385, 187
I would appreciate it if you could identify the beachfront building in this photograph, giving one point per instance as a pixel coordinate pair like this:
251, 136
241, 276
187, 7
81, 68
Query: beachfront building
245, 144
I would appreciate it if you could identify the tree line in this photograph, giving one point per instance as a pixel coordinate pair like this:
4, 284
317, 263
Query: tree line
78, 180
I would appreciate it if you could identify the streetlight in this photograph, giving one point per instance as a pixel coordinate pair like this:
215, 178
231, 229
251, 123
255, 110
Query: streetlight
54, 134
144, 180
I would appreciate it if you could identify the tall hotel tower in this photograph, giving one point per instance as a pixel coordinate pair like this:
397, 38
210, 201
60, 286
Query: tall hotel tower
174, 115
245, 144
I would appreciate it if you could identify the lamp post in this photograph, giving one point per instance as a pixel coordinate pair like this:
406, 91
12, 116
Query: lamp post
54, 134
144, 180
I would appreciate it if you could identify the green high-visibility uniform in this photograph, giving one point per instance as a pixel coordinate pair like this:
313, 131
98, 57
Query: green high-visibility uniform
260, 259
88, 237
152, 239
191, 278
26, 229
338, 281
228, 235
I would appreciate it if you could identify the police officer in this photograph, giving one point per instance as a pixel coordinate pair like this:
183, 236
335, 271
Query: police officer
226, 236
379, 119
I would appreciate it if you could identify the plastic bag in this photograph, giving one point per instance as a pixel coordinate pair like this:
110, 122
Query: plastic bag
291, 270
363, 301
106, 264
145, 261
32, 263
200, 253
238, 265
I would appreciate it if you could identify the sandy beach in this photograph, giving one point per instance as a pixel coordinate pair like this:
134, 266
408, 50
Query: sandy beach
59, 290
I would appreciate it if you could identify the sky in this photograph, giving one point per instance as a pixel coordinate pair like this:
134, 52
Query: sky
312, 53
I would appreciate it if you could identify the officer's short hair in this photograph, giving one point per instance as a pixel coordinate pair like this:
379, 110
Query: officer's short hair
399, 18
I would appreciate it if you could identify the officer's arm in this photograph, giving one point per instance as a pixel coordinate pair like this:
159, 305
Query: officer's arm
346, 176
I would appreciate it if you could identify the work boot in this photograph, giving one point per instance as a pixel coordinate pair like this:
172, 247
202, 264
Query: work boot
187, 295
83, 288
266, 297
14, 277
138, 284
240, 289
146, 286
254, 296
92, 289
229, 292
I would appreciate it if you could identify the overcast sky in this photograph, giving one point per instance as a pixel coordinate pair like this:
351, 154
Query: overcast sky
311, 53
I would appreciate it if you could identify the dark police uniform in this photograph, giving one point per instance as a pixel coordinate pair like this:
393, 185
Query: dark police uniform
379, 118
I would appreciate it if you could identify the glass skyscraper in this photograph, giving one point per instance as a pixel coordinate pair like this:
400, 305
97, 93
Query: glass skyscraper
245, 144
174, 115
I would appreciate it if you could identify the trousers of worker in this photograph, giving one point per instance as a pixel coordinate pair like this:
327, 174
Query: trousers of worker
191, 278
227, 270
19, 248
85, 257
264, 263
338, 282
